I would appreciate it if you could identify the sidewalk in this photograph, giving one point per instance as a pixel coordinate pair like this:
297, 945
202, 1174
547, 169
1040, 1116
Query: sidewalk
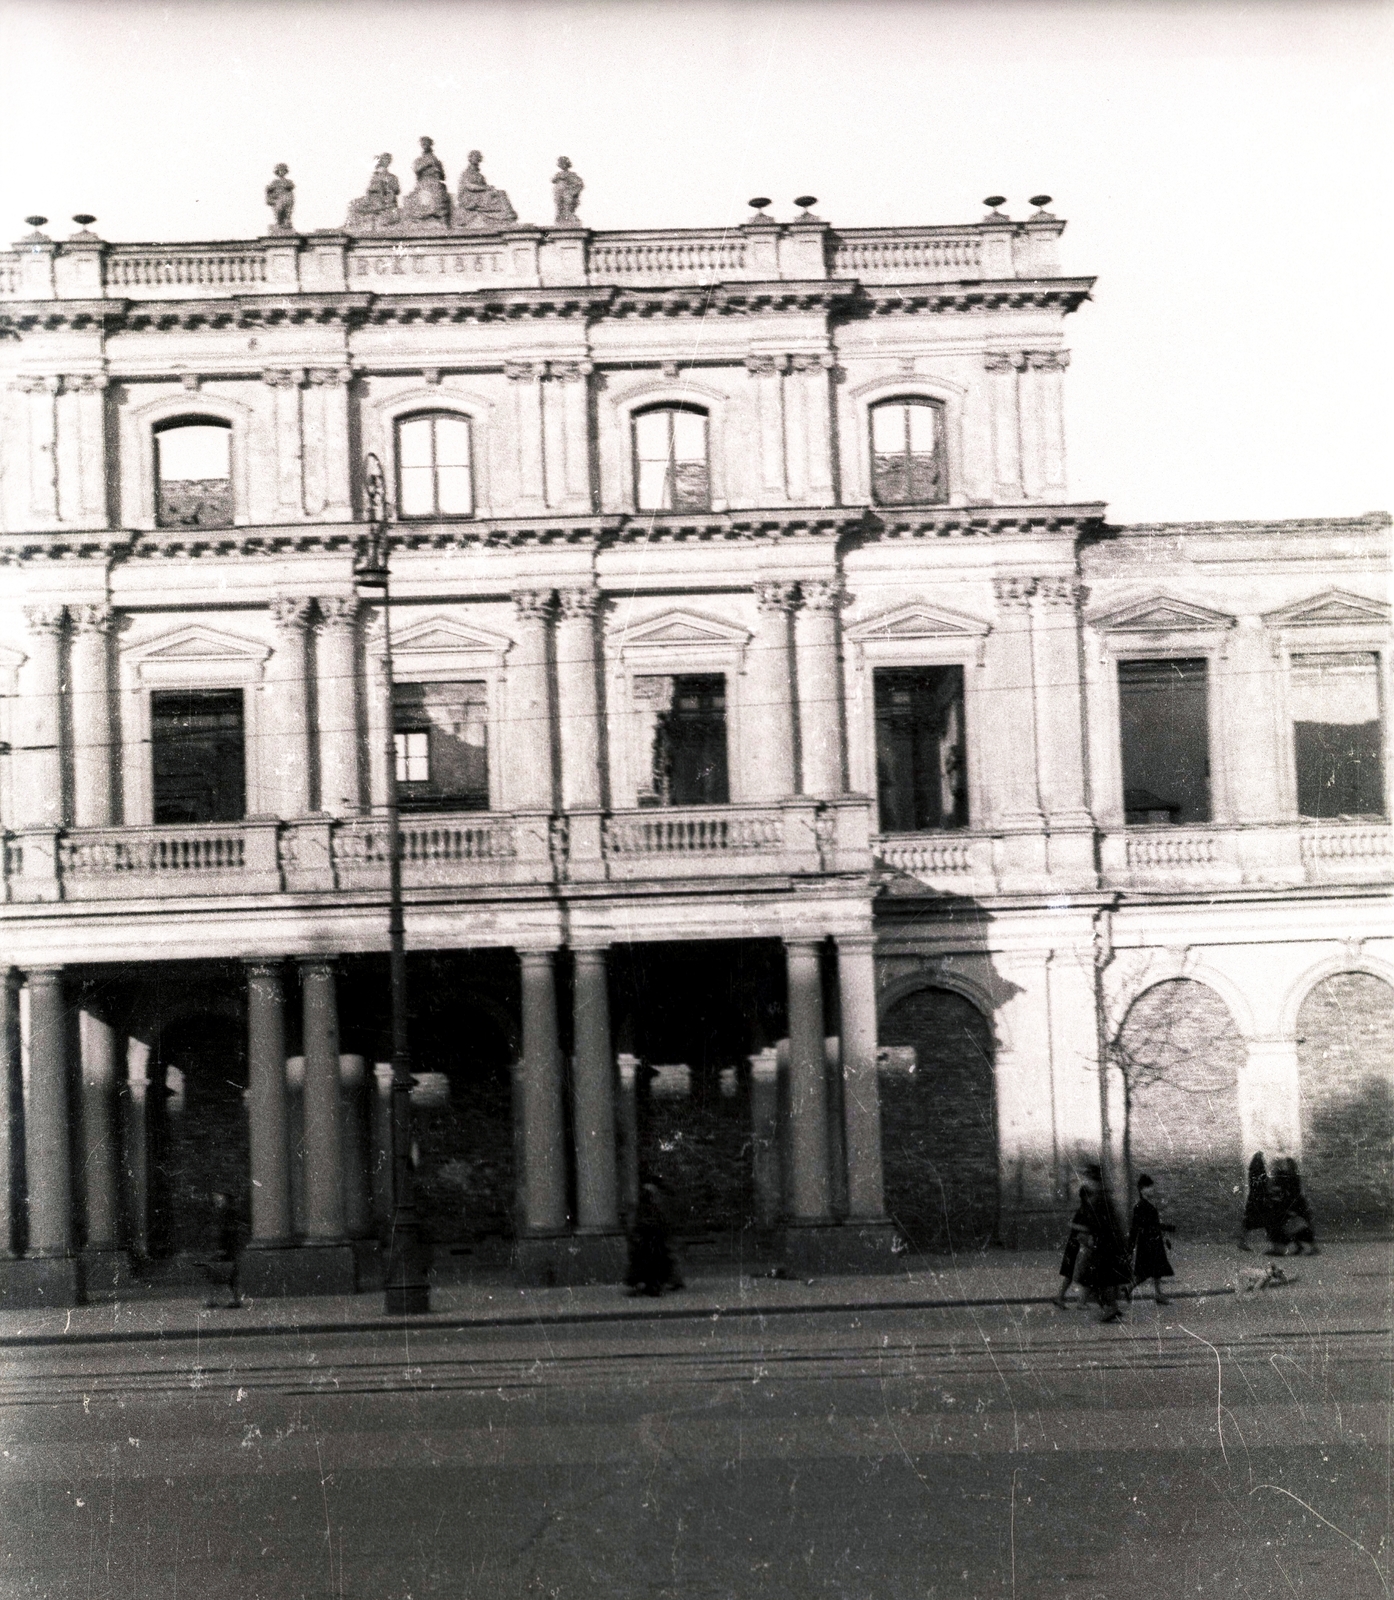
1346, 1273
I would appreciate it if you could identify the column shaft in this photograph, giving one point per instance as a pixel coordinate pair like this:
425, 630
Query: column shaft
337, 684
861, 1088
92, 717
820, 694
39, 786
46, 1117
266, 1104
324, 1168
597, 1196
289, 694
529, 732
769, 707
809, 1192
544, 1153
11, 1116
97, 1047
136, 1147
358, 1206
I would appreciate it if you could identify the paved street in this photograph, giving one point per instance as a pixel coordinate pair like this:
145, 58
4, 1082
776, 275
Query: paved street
757, 1439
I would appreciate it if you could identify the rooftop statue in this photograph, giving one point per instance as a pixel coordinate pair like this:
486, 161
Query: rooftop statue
427, 207
376, 211
480, 208
280, 196
566, 191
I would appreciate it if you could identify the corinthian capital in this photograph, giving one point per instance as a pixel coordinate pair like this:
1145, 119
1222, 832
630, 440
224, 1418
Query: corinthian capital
533, 605
46, 619
762, 364
1004, 360
821, 594
775, 596
85, 383
569, 371
93, 618
1049, 360
522, 371
1013, 594
330, 377
1057, 594
33, 385
339, 611
290, 615
578, 603
283, 377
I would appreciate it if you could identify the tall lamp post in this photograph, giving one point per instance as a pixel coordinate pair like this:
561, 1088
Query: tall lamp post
408, 1290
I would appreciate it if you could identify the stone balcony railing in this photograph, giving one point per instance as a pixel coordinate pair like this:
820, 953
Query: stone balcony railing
439, 851
528, 257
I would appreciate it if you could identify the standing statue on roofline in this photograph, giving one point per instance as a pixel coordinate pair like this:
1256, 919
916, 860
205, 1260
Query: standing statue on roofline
280, 196
376, 211
479, 207
566, 191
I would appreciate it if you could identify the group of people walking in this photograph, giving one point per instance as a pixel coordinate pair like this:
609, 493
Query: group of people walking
1107, 1262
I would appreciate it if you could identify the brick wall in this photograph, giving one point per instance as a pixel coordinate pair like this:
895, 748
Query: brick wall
1345, 1058
939, 1131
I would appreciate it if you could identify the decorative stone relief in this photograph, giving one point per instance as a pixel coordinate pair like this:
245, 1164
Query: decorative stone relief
280, 196
566, 193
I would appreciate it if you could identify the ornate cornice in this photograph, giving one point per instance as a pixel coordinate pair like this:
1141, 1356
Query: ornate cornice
996, 294
998, 522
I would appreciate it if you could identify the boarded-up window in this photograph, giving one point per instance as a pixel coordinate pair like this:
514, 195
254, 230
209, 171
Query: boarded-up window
442, 740
1164, 730
921, 753
1338, 734
198, 755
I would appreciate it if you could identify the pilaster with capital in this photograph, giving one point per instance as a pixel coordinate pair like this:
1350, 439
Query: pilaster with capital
38, 410
288, 689
525, 386
768, 704
38, 792
93, 717
337, 683
1011, 683
1003, 368
528, 735
1043, 424
820, 696
567, 464
288, 432
808, 437
578, 699
326, 443
767, 374
1060, 702
81, 451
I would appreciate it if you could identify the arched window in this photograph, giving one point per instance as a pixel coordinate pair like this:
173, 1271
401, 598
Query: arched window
434, 478
907, 453
670, 459
193, 473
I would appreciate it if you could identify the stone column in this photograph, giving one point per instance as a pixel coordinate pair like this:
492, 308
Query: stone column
544, 1152
764, 1137
1002, 367
39, 779
358, 1207
337, 684
97, 1050
289, 437
768, 710
767, 371
46, 1118
327, 444
1060, 702
288, 692
856, 983
92, 716
1013, 679
809, 1191
1048, 417
382, 1143
628, 1068
820, 689
529, 733
593, 1097
324, 1171
525, 382
135, 1144
11, 1117
266, 1105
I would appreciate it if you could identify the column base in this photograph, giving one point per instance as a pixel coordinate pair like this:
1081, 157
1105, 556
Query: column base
831, 1247
107, 1273
37, 1282
571, 1259
305, 1269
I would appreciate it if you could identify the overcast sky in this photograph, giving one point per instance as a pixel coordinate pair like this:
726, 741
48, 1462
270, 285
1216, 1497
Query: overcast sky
1224, 169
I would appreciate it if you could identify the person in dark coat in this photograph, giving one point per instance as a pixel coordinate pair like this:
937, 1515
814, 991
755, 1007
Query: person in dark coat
1107, 1269
652, 1267
1069, 1262
1148, 1241
1257, 1202
1290, 1217
222, 1268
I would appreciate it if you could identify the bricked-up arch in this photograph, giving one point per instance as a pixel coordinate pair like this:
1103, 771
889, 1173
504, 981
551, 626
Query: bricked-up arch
1345, 1065
939, 1123
1183, 1055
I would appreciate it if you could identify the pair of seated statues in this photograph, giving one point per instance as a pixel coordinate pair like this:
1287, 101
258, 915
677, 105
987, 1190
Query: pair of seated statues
477, 208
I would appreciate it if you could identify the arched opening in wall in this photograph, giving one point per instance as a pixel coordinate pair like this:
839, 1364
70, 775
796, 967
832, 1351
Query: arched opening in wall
939, 1121
671, 463
1178, 1056
193, 473
198, 1132
1345, 1070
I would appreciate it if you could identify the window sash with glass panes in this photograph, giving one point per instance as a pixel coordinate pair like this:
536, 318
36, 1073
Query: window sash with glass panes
670, 460
907, 453
434, 476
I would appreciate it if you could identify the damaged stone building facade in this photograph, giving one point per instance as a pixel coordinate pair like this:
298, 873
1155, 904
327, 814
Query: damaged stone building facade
804, 798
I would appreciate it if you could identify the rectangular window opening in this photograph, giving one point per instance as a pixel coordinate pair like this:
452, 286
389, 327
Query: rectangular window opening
1164, 731
198, 755
689, 753
441, 734
1338, 734
921, 749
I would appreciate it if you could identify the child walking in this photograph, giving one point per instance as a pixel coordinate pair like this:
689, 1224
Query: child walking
1149, 1248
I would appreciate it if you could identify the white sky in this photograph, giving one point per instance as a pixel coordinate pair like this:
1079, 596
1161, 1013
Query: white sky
1225, 170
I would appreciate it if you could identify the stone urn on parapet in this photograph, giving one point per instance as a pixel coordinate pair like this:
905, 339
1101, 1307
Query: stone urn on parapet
376, 211
427, 208
479, 207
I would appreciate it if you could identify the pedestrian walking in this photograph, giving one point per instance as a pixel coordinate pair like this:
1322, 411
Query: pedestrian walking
652, 1266
222, 1268
1257, 1202
1147, 1242
1071, 1263
1290, 1227
1108, 1269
